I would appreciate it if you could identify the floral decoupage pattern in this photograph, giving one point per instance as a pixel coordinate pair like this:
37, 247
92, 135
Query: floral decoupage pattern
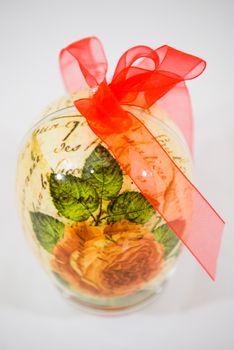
92, 230
114, 243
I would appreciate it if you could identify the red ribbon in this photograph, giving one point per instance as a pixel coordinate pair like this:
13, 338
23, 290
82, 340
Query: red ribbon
160, 76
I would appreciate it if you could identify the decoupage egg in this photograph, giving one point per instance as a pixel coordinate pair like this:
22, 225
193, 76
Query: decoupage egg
93, 231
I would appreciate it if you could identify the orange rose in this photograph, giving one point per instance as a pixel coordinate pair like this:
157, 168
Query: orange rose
114, 261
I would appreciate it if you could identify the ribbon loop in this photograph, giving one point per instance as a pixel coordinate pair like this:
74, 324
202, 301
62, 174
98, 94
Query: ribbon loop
132, 55
87, 58
179, 63
143, 85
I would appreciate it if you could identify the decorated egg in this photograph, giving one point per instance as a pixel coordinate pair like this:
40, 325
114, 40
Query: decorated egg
93, 231
104, 177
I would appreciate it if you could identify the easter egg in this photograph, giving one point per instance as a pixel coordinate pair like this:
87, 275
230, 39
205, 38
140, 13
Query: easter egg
93, 231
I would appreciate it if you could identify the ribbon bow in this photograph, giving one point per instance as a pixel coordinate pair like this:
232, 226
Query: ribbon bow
159, 76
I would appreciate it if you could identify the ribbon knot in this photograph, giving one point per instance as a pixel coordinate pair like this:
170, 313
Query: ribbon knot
142, 77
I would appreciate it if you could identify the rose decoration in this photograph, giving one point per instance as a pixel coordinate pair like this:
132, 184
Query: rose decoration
114, 262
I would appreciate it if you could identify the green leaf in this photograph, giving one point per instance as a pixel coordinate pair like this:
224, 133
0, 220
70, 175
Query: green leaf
48, 230
103, 172
131, 206
164, 235
73, 197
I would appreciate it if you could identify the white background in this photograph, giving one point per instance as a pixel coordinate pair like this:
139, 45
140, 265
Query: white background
193, 312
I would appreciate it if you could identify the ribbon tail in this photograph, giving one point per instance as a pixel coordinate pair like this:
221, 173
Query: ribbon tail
177, 104
177, 101
157, 177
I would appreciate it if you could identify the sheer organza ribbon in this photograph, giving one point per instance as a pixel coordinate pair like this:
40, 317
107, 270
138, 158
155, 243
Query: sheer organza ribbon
159, 76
